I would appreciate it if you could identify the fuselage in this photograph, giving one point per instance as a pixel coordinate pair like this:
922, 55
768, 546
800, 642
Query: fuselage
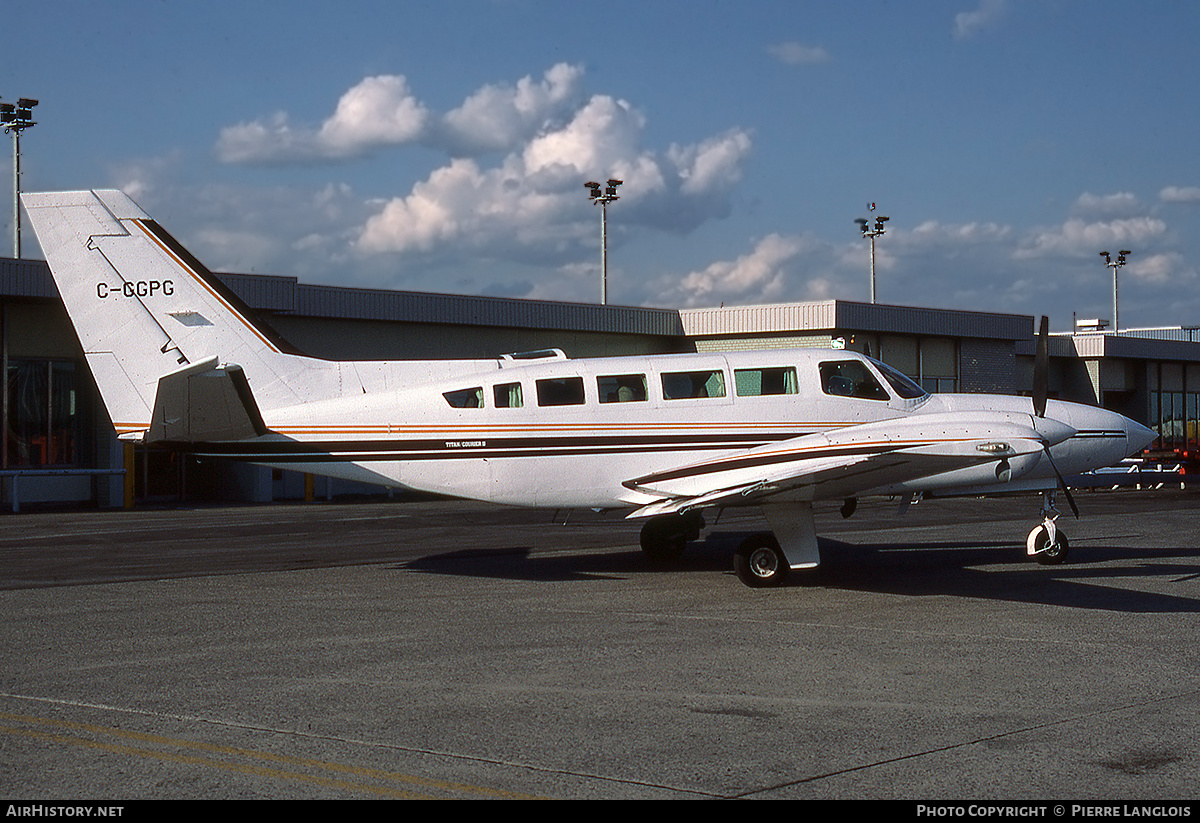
558, 432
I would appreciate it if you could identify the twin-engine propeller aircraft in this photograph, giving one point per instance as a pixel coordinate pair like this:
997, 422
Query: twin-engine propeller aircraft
181, 361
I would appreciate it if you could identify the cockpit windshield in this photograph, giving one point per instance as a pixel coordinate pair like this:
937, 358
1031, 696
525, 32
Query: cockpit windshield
901, 383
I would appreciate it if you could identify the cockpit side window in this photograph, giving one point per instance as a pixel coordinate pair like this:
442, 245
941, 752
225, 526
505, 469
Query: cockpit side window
851, 378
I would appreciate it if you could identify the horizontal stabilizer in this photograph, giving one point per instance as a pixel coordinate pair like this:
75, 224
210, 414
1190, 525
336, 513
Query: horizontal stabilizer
205, 402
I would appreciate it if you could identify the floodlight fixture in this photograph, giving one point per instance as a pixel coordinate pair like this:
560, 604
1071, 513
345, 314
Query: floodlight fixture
14, 119
1115, 265
871, 234
609, 195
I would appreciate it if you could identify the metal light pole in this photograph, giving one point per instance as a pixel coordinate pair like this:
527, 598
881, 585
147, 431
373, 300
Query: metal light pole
16, 119
610, 194
1114, 265
871, 234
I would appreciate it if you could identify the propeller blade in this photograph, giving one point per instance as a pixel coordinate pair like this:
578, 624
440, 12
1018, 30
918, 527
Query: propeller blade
1062, 484
1041, 369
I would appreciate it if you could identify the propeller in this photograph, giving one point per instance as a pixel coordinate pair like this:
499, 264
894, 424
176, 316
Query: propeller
1041, 368
1062, 484
1041, 384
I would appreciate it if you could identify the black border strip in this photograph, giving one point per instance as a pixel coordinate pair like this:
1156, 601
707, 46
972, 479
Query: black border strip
475, 444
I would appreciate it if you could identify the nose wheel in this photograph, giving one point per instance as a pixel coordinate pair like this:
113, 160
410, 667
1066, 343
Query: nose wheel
1047, 544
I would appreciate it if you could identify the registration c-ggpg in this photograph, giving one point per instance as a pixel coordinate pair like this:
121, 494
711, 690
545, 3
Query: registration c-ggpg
136, 288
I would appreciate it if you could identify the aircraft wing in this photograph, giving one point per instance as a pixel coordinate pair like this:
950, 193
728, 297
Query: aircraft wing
844, 462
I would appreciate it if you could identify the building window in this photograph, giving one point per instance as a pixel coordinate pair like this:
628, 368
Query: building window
931, 362
45, 423
1175, 406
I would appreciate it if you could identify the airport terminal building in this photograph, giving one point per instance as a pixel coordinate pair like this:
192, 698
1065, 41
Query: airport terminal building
59, 445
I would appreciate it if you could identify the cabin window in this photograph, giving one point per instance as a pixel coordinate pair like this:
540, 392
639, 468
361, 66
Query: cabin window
761, 382
465, 398
621, 388
851, 378
508, 396
680, 385
560, 391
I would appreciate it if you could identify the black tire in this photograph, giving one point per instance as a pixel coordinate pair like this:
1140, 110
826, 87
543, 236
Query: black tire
664, 538
1051, 555
759, 562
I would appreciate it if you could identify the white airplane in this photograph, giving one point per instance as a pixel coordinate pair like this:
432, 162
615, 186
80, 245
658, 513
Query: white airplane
181, 361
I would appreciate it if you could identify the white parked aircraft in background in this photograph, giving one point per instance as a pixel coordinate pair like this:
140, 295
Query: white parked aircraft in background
181, 361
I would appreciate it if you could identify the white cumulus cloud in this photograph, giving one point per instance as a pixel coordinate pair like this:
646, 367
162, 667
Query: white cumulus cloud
378, 111
1077, 237
383, 110
759, 276
533, 202
1180, 194
499, 117
517, 155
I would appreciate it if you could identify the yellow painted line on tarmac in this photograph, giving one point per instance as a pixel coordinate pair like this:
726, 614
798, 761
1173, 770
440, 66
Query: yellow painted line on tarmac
245, 768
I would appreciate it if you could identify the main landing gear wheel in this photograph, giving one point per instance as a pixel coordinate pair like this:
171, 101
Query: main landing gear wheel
1039, 546
759, 562
663, 538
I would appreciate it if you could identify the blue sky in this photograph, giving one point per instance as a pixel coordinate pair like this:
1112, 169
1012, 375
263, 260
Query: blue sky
443, 147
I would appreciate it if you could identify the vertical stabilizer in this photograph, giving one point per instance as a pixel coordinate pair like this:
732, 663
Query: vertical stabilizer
143, 307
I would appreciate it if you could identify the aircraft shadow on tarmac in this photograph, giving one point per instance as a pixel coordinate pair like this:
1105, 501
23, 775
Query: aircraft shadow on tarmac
991, 570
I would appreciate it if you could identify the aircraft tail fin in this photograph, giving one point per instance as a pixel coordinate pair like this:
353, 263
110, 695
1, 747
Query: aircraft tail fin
143, 307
